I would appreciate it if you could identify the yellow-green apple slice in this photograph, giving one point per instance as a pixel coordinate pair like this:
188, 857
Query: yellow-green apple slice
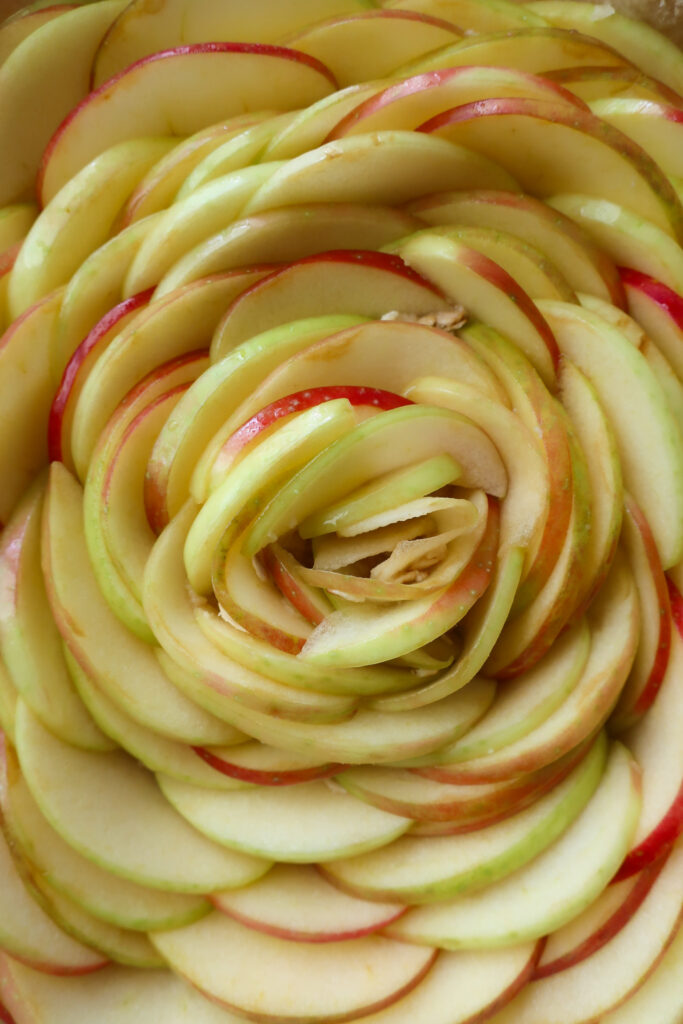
586, 934
598, 83
652, 656
257, 763
586, 991
596, 437
99, 892
19, 26
164, 852
29, 934
218, 955
408, 103
15, 222
98, 641
487, 292
180, 323
161, 184
486, 16
361, 47
289, 234
141, 31
294, 901
190, 221
551, 148
549, 889
60, 52
389, 167
29, 641
200, 414
180, 91
613, 620
427, 870
653, 474
26, 389
659, 311
647, 48
629, 239
8, 702
119, 945
310, 823
76, 372
580, 261
78, 220
653, 745
657, 127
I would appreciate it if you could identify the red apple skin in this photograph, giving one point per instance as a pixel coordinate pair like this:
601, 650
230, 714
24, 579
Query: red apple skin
610, 928
178, 51
266, 778
661, 294
90, 343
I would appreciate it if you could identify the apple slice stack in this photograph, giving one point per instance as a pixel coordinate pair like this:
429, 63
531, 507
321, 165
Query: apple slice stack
341, 436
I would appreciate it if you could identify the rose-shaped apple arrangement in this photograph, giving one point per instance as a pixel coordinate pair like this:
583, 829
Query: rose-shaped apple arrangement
341, 444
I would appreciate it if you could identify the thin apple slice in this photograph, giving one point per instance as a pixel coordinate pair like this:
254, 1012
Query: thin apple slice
294, 901
434, 869
61, 52
180, 91
652, 472
552, 148
659, 311
163, 852
554, 887
218, 956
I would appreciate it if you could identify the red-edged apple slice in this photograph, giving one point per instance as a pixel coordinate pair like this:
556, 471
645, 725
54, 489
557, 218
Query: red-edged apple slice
652, 656
291, 233
29, 934
657, 127
600, 922
26, 389
408, 103
220, 957
77, 370
597, 984
294, 901
163, 852
263, 765
551, 148
179, 324
19, 26
598, 83
436, 868
180, 91
62, 50
659, 311
389, 167
477, 16
363, 47
582, 263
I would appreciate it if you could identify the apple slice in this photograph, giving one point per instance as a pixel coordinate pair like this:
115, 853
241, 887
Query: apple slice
61, 52
434, 869
659, 311
475, 15
164, 852
294, 901
180, 91
551, 148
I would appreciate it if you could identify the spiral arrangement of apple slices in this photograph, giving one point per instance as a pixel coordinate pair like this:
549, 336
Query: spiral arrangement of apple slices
341, 440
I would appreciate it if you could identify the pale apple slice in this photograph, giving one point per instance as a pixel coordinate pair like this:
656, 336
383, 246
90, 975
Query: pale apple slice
61, 52
294, 901
659, 311
26, 389
79, 219
582, 263
654, 472
97, 639
601, 982
287, 234
29, 640
362, 47
180, 91
310, 823
551, 148
389, 167
657, 127
29, 933
163, 851
472, 14
553, 887
434, 869
15, 223
629, 239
